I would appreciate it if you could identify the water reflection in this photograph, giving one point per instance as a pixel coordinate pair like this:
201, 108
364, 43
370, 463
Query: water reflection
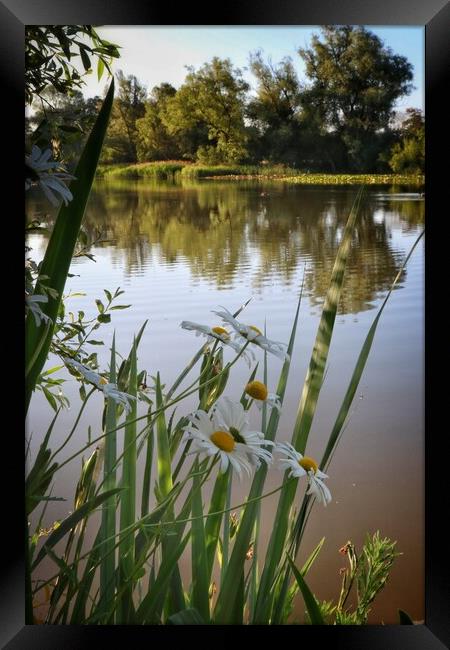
226, 230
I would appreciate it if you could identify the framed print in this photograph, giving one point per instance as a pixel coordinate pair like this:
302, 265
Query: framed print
227, 398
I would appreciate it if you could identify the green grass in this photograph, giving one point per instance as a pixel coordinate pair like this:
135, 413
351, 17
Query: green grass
160, 170
169, 168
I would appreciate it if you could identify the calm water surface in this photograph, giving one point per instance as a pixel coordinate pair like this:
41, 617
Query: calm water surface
181, 251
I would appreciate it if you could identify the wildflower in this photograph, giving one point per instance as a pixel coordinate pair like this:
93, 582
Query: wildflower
217, 333
233, 417
254, 335
300, 465
33, 306
259, 392
50, 181
224, 433
108, 389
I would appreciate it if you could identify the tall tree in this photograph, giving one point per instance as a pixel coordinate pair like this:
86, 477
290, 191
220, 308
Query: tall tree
129, 105
355, 82
274, 111
154, 140
211, 102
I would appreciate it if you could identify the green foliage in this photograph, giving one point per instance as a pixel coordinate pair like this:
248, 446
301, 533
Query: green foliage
210, 106
128, 107
368, 572
355, 82
275, 111
50, 50
154, 142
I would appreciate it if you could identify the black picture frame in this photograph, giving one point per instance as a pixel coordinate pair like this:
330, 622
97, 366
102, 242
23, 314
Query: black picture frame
435, 16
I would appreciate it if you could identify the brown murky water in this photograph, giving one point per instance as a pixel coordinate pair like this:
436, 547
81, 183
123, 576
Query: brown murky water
180, 251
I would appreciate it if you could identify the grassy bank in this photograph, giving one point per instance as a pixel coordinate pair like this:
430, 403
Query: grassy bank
170, 168
164, 169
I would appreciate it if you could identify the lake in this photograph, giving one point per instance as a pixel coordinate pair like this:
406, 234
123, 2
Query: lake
180, 251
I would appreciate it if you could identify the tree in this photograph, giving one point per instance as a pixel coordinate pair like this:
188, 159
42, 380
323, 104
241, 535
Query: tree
210, 107
355, 82
63, 121
408, 155
274, 111
122, 136
154, 140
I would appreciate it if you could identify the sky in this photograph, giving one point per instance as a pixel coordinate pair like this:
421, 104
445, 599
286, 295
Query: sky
159, 54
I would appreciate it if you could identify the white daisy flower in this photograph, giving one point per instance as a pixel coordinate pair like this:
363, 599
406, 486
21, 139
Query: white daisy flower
50, 181
233, 417
214, 434
254, 335
109, 390
33, 306
300, 465
259, 392
217, 333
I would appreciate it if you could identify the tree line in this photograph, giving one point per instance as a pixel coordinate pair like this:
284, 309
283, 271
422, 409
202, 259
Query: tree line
340, 118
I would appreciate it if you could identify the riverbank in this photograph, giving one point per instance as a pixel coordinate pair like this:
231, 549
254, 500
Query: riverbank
169, 169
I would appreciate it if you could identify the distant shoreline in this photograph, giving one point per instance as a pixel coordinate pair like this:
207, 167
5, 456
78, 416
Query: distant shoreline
170, 169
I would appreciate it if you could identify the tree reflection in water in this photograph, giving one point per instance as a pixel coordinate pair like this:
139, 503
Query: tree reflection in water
223, 230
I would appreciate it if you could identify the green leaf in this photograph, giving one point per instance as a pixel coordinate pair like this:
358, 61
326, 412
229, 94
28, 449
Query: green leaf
100, 306
108, 528
189, 616
147, 610
104, 318
310, 602
61, 246
128, 500
200, 579
100, 68
120, 307
86, 60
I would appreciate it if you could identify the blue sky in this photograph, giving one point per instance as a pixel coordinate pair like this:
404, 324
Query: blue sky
158, 54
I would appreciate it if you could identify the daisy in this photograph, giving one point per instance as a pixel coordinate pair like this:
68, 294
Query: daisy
109, 390
217, 333
49, 180
254, 335
259, 392
212, 435
300, 465
234, 418
33, 306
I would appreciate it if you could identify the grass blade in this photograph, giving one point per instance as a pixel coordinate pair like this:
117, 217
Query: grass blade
128, 499
310, 602
108, 527
200, 579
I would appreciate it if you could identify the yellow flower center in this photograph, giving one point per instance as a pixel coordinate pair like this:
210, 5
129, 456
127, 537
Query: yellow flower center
221, 331
103, 381
308, 464
258, 331
223, 440
257, 390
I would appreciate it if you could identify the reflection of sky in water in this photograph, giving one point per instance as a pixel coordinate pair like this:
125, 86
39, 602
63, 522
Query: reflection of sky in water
171, 266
